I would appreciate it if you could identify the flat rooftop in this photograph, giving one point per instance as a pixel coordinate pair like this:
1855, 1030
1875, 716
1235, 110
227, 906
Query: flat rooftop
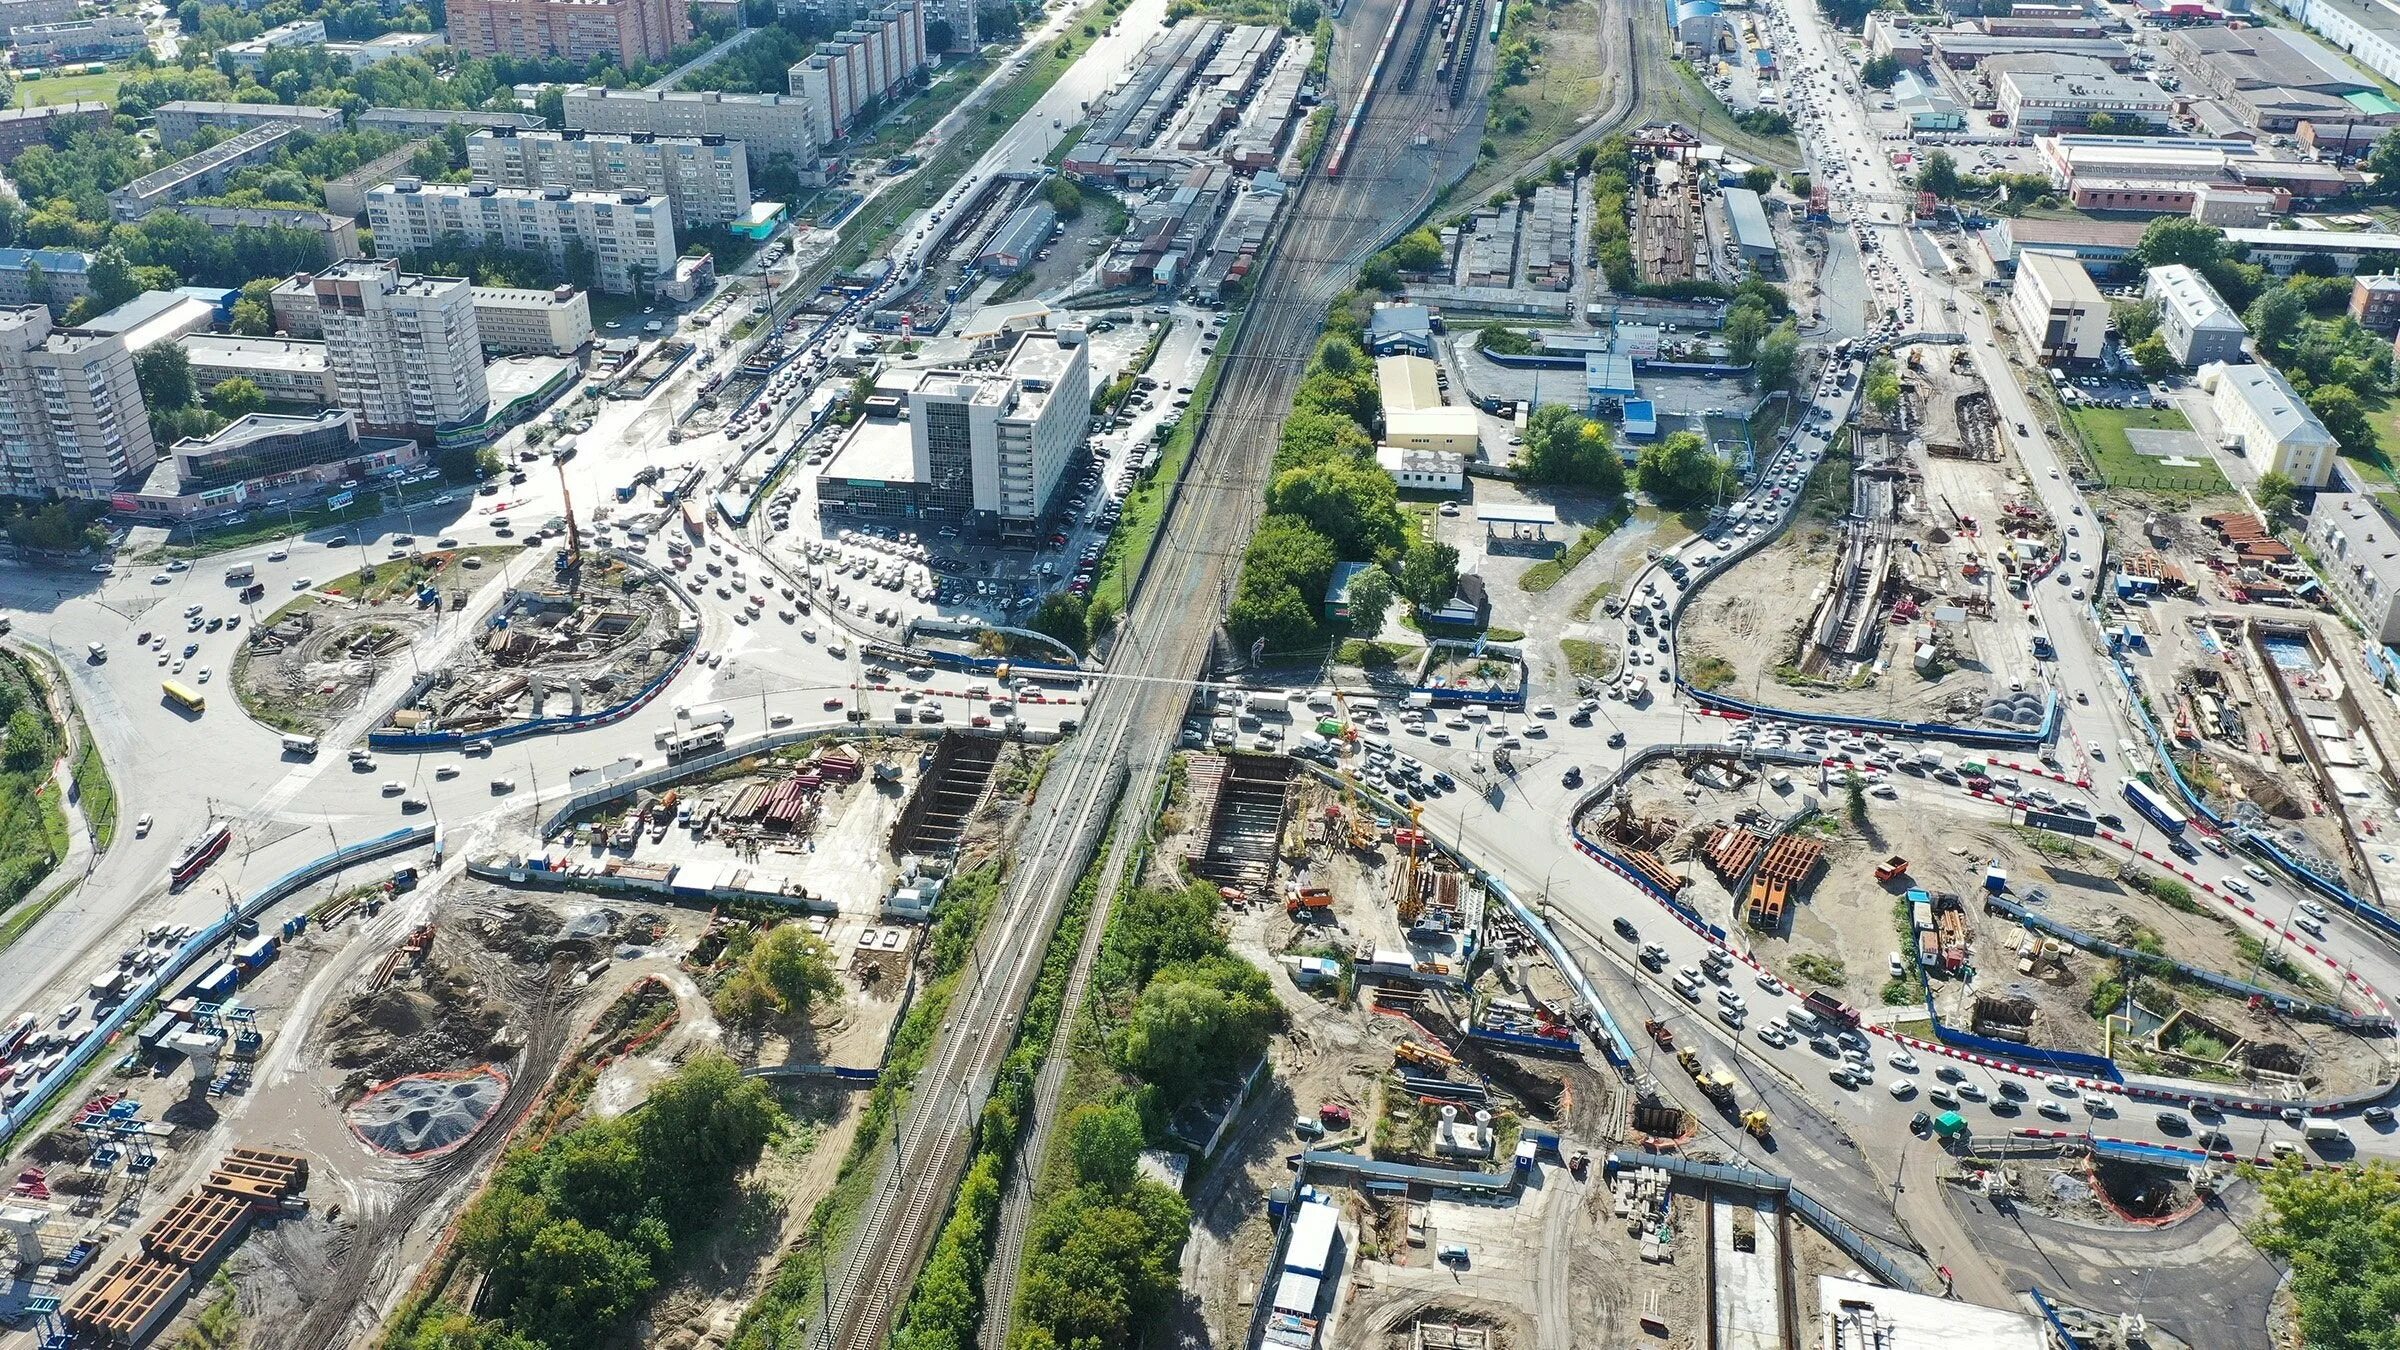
877, 450
1863, 1314
261, 353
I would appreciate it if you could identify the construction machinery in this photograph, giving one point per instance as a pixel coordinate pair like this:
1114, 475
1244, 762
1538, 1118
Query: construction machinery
1308, 902
1662, 1033
1362, 834
1424, 1056
1407, 883
1757, 1123
1893, 866
1717, 1086
1690, 1060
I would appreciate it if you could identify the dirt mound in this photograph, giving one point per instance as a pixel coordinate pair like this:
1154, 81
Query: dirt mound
2267, 791
535, 934
444, 1022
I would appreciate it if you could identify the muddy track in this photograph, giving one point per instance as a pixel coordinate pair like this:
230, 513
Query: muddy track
367, 1260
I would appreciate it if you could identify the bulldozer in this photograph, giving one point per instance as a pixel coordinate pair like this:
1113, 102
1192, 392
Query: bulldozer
1690, 1060
1757, 1123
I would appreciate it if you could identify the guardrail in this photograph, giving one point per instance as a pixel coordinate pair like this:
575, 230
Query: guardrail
148, 991
1855, 1244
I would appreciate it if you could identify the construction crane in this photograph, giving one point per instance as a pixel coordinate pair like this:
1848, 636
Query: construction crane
1409, 885
1362, 835
570, 561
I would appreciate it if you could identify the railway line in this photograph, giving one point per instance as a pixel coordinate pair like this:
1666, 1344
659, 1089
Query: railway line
1335, 226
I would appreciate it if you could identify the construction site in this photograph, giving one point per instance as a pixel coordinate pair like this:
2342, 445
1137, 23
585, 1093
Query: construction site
309, 664
1905, 562
2268, 724
852, 828
603, 628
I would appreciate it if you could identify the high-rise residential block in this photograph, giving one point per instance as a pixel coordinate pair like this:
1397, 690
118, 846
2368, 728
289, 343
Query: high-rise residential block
72, 422
705, 179
628, 237
765, 124
632, 32
403, 351
865, 64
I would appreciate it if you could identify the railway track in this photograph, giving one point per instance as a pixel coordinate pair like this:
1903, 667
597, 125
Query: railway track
1132, 723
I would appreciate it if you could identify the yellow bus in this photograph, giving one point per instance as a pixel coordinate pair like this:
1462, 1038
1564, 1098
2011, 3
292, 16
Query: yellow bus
188, 699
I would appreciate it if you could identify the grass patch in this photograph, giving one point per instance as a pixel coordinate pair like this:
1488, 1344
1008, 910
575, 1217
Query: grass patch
220, 1323
399, 577
1708, 672
1562, 86
895, 133
70, 88
21, 917
1909, 985
2102, 432
33, 821
1371, 655
1825, 970
1592, 598
1550, 571
1588, 660
98, 795
259, 530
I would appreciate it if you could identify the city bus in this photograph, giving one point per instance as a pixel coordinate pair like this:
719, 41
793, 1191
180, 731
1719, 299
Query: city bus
186, 698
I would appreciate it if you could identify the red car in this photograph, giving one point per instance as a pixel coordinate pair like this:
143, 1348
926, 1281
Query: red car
832, 703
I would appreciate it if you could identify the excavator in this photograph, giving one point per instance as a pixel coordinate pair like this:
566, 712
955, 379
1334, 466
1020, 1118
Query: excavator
1424, 1056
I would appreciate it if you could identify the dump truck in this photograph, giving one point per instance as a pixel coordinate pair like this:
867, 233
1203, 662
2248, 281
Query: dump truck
1308, 902
1661, 1033
1893, 866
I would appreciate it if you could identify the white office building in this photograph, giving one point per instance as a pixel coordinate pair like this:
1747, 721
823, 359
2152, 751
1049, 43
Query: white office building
2058, 308
2262, 414
705, 179
403, 351
252, 54
555, 322
72, 422
286, 370
628, 237
992, 446
2199, 327
1423, 470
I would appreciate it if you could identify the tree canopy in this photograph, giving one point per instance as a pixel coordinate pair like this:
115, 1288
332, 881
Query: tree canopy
1680, 470
1564, 446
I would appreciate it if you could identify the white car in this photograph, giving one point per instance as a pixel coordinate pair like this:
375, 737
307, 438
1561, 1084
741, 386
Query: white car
1903, 1061
141, 827
1904, 1088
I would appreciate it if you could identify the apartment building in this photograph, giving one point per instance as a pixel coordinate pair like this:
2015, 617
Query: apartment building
555, 322
72, 422
103, 37
2261, 413
182, 119
705, 179
336, 234
44, 276
2375, 303
628, 237
15, 14
765, 124
2058, 308
2358, 552
861, 67
435, 121
286, 370
2197, 324
23, 128
403, 351
992, 447
197, 175
252, 54
631, 32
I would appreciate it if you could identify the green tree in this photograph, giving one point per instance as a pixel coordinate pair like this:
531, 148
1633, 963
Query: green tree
252, 319
1104, 1144
571, 1280
2180, 239
1759, 179
1417, 251
2339, 1230
1285, 571
1880, 71
2275, 318
165, 376
2154, 357
1680, 470
1745, 328
237, 397
1429, 574
2135, 319
1065, 198
2275, 492
1311, 436
1356, 506
2345, 415
28, 743
551, 105
1939, 176
798, 966
1564, 446
1883, 386
111, 276
1063, 615
1371, 595
1778, 359
1196, 1021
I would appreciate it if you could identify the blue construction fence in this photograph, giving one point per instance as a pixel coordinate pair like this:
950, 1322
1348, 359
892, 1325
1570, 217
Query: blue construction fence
540, 726
979, 665
138, 999
2283, 1003
1940, 731
2366, 911
2066, 1338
